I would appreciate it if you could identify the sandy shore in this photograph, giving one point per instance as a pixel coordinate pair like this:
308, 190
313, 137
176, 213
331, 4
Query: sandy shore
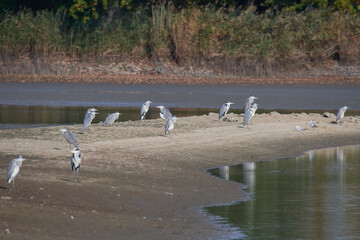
137, 184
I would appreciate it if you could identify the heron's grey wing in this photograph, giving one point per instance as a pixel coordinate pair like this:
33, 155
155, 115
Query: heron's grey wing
222, 111
167, 114
247, 116
109, 119
167, 126
87, 121
12, 166
144, 110
340, 113
71, 138
247, 104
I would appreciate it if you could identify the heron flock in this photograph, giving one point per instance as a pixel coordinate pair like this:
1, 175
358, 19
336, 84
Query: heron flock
250, 108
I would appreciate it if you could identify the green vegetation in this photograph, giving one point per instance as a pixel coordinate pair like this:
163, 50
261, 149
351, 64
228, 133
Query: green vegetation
230, 37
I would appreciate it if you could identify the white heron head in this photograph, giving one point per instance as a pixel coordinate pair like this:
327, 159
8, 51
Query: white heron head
63, 130
346, 107
21, 158
75, 150
148, 101
253, 97
228, 102
161, 107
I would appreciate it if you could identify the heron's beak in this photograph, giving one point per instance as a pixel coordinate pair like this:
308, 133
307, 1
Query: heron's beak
256, 98
231, 103
158, 106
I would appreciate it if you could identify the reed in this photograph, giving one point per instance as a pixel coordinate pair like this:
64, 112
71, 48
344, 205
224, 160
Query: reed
227, 40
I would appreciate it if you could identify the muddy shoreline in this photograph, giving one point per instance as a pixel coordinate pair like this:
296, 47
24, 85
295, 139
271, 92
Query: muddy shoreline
326, 79
135, 183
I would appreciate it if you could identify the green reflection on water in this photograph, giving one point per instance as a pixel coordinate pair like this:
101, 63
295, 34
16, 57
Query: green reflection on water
13, 114
315, 196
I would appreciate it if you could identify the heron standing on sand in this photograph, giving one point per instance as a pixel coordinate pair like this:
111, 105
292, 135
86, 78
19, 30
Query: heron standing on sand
111, 118
249, 114
248, 103
164, 112
69, 137
144, 109
224, 109
89, 116
170, 123
75, 160
341, 113
312, 124
14, 169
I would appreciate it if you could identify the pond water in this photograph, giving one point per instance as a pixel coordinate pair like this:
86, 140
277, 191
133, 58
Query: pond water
44, 104
314, 196
13, 116
178, 96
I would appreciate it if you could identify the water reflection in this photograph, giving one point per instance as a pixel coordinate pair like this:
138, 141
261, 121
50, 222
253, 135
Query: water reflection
12, 116
315, 196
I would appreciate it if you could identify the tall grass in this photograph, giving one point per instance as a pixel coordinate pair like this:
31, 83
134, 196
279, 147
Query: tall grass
239, 42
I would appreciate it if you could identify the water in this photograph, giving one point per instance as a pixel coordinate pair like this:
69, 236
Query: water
198, 96
44, 104
13, 116
314, 196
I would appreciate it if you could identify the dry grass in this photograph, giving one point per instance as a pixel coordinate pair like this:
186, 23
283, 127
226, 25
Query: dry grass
225, 40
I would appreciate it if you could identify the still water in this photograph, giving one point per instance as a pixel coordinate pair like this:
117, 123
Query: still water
314, 196
12, 116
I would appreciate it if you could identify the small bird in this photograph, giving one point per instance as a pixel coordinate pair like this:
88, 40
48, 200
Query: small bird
224, 109
170, 123
69, 137
14, 169
312, 124
164, 112
144, 109
299, 128
341, 113
248, 103
250, 113
89, 116
111, 118
75, 160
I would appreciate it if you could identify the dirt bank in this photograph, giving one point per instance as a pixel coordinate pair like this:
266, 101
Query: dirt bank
136, 183
185, 80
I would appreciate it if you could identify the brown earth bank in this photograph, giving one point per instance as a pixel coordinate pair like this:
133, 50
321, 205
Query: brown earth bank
178, 80
145, 72
136, 183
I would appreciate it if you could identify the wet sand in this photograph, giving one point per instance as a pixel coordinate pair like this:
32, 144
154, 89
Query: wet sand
136, 183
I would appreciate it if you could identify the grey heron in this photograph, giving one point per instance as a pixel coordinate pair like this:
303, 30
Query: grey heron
144, 109
341, 113
170, 123
14, 169
75, 160
69, 137
312, 124
250, 113
164, 112
224, 109
248, 103
89, 116
111, 118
